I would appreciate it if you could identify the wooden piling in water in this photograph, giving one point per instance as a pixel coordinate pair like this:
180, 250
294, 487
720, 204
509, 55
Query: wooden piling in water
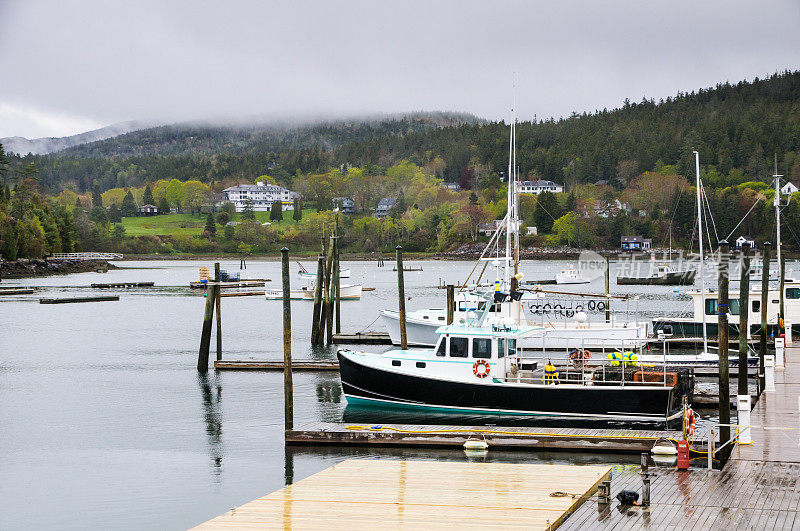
762, 351
205, 335
218, 303
288, 399
315, 324
337, 286
744, 323
451, 302
329, 292
724, 377
401, 295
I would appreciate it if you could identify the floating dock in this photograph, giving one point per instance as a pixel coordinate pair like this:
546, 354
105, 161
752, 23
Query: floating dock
80, 299
243, 294
362, 338
392, 494
16, 291
276, 365
511, 437
125, 285
249, 283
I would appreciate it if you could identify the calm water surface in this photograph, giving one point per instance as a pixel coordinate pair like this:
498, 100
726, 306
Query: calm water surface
105, 423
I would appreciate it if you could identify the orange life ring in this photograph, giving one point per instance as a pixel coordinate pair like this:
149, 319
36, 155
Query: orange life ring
481, 373
689, 421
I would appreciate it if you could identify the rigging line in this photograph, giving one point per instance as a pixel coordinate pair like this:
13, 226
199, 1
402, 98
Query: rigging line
759, 198
710, 213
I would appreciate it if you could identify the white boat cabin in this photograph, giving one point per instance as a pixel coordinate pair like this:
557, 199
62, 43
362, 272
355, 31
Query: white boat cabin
711, 305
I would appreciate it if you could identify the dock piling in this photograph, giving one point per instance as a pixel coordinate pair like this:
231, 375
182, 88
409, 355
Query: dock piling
317, 313
337, 285
401, 295
205, 335
288, 399
329, 291
451, 290
763, 332
744, 324
218, 303
724, 376
645, 481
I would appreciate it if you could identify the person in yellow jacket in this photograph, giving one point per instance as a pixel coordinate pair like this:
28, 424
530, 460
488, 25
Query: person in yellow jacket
550, 374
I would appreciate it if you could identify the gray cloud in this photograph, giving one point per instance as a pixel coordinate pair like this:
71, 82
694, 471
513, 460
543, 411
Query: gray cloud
104, 62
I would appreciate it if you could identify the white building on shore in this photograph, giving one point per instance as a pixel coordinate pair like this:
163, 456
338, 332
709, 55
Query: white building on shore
538, 186
261, 195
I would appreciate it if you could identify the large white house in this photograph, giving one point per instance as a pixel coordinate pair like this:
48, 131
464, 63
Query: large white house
261, 195
538, 186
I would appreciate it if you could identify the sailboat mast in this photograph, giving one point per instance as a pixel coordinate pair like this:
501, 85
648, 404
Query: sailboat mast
700, 232
510, 200
777, 203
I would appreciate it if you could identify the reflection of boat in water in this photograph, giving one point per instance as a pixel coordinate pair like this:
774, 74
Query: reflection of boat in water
664, 275
570, 276
307, 293
478, 369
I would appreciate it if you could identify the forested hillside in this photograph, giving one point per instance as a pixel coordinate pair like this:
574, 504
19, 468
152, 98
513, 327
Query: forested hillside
629, 171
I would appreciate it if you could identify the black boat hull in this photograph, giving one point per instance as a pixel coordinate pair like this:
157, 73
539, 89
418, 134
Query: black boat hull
685, 278
363, 384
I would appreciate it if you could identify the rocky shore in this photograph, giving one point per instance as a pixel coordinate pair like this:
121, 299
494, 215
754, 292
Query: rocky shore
42, 268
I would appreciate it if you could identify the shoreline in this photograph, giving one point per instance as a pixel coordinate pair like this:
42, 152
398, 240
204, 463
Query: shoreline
40, 267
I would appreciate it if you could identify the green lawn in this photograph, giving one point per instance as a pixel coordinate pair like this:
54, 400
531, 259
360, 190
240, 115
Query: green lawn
174, 224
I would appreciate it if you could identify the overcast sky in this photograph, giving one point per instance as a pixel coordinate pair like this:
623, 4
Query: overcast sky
70, 66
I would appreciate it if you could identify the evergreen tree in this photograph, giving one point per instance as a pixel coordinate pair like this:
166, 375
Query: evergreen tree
546, 212
223, 218
99, 215
248, 213
147, 199
128, 205
78, 204
399, 207
473, 198
276, 212
297, 214
570, 204
97, 199
163, 206
114, 213
211, 226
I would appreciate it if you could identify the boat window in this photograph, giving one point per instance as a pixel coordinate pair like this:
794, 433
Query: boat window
441, 318
440, 351
734, 306
501, 347
458, 347
395, 363
512, 347
420, 365
793, 293
756, 306
481, 348
712, 306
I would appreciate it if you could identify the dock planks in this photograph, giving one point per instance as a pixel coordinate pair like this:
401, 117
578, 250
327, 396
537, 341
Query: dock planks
68, 300
276, 365
512, 437
124, 285
371, 493
362, 338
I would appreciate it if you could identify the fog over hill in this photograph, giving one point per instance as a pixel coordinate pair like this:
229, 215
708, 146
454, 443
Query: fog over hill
45, 145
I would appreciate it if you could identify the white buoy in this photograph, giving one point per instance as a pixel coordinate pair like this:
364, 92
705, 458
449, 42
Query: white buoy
581, 317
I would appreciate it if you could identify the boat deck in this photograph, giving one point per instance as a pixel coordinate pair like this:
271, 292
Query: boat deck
391, 494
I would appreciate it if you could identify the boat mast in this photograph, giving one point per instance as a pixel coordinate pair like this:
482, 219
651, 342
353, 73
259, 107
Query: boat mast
700, 269
777, 203
510, 200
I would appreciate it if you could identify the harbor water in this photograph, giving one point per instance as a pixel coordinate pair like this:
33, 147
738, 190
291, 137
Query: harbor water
105, 422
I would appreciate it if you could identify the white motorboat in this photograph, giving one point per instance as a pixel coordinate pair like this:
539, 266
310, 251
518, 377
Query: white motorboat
570, 276
306, 293
305, 273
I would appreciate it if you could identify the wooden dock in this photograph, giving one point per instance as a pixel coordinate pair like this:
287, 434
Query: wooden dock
363, 338
16, 291
512, 437
391, 494
68, 300
243, 294
248, 283
125, 285
276, 365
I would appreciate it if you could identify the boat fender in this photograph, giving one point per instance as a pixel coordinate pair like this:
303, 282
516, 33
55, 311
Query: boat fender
601, 306
591, 305
481, 368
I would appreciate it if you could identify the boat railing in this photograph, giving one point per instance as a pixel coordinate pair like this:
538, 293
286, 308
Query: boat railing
616, 360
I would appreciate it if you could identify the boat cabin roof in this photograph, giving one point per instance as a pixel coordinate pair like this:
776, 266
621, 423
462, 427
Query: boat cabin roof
494, 330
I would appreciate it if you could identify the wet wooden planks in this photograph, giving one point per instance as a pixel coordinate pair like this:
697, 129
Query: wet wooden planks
371, 494
745, 495
276, 365
776, 418
512, 437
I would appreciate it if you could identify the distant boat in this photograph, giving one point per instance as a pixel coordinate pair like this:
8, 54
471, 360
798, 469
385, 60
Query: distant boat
304, 273
306, 293
664, 275
570, 276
